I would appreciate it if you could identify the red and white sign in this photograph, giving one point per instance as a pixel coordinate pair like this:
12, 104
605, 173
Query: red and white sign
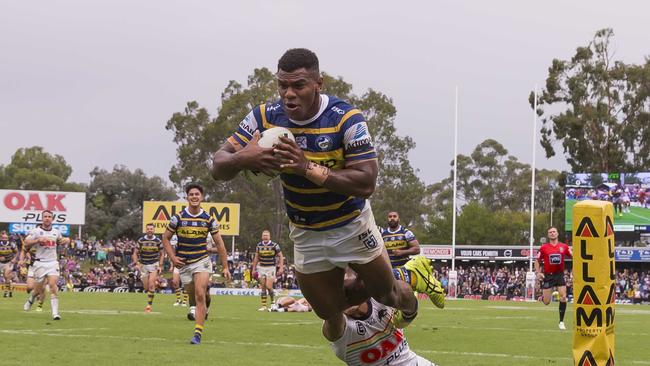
27, 206
436, 251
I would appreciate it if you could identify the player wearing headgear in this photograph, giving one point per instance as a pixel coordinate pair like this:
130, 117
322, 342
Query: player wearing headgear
327, 174
192, 227
148, 258
7, 261
46, 263
552, 255
264, 263
399, 241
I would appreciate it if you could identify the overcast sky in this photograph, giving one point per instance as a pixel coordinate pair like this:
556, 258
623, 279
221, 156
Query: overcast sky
95, 81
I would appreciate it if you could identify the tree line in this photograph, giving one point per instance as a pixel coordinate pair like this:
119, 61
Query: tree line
596, 108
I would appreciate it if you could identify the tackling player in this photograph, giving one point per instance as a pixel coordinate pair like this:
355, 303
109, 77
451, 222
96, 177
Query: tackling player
264, 263
399, 241
328, 173
46, 264
367, 335
148, 258
7, 262
192, 227
552, 254
27, 261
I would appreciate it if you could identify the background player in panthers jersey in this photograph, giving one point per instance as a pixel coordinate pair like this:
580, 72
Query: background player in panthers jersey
399, 241
192, 227
148, 258
46, 266
264, 263
7, 261
27, 260
328, 173
552, 255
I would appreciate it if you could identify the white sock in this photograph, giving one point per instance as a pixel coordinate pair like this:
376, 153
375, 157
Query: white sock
54, 301
32, 297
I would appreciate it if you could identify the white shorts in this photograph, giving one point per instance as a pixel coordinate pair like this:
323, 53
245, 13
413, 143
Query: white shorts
44, 269
30, 271
146, 269
4, 266
266, 271
176, 271
319, 251
188, 271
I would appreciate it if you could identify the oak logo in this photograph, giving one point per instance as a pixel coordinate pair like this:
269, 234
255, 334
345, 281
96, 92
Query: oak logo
586, 229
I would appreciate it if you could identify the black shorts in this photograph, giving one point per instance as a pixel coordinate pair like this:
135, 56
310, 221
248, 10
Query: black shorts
553, 280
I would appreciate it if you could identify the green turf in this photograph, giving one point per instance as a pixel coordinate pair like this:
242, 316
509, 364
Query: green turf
111, 329
636, 216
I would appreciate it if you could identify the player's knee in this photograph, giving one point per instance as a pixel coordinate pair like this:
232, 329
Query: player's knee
563, 299
263, 291
546, 301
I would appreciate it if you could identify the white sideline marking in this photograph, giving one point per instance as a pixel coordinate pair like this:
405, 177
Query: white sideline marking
109, 312
290, 345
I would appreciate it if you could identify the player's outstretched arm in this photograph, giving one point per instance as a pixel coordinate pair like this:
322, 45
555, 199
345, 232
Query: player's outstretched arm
231, 159
354, 180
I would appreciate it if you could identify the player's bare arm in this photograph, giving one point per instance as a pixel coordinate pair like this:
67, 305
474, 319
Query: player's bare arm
413, 249
334, 327
281, 267
223, 255
354, 180
166, 239
256, 260
231, 159
540, 275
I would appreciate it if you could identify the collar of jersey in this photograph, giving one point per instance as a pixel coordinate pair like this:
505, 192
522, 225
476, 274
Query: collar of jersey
393, 232
188, 212
324, 101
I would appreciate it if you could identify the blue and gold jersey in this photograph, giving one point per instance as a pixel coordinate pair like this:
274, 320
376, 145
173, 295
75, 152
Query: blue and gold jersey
149, 249
192, 232
397, 239
7, 251
337, 136
266, 253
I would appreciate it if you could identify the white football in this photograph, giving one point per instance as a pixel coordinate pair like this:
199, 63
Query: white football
271, 137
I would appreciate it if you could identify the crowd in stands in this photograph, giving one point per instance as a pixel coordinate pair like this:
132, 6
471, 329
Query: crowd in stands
109, 263
486, 281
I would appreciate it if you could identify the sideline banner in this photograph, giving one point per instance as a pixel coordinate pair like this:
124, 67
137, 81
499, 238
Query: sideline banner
594, 284
160, 212
19, 206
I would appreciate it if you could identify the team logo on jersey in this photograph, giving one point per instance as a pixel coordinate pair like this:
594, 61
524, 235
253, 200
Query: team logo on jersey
324, 142
361, 329
301, 141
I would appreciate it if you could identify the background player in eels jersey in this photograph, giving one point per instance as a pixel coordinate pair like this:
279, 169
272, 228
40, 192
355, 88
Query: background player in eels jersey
179, 291
192, 227
46, 266
149, 260
399, 241
7, 261
264, 263
552, 255
327, 174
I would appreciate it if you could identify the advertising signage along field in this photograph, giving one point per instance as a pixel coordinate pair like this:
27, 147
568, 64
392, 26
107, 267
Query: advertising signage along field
18, 206
628, 192
517, 253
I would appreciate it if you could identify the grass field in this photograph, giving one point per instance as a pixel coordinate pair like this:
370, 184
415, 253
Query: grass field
111, 329
636, 216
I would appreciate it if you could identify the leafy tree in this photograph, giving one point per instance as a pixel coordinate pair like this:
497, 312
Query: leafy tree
198, 136
33, 168
114, 201
493, 199
598, 109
